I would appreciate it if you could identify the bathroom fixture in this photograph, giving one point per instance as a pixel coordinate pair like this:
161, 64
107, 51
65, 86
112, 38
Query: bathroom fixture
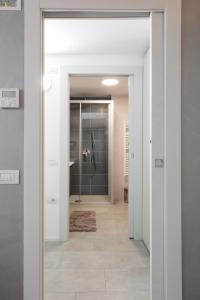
110, 82
85, 153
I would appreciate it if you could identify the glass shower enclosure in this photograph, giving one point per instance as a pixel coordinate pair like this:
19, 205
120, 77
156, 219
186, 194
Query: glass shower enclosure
90, 151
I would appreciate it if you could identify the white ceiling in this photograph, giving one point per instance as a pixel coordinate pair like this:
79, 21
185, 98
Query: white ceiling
96, 36
92, 87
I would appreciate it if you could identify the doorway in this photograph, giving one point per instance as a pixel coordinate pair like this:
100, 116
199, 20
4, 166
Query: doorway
98, 252
87, 151
108, 65
28, 262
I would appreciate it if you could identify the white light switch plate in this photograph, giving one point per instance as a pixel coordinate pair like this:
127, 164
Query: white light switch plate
9, 176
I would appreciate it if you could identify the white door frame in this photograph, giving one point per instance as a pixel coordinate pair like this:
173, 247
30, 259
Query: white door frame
33, 225
135, 141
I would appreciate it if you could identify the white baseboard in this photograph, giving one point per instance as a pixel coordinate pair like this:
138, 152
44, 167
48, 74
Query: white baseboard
52, 239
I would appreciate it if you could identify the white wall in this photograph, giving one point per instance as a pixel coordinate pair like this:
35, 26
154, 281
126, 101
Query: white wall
52, 127
146, 150
120, 115
55, 60
51, 158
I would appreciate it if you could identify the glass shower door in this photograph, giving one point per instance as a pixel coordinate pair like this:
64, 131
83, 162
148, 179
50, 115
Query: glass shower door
94, 162
89, 135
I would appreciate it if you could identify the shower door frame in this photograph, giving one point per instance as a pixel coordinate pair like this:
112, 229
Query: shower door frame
110, 142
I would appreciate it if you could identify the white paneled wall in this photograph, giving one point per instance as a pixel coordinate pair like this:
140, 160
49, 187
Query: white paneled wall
51, 158
120, 118
125, 148
146, 150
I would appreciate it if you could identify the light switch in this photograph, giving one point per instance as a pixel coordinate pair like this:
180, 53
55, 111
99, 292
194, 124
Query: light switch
9, 176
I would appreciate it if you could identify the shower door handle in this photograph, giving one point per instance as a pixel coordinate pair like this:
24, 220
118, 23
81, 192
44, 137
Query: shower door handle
85, 152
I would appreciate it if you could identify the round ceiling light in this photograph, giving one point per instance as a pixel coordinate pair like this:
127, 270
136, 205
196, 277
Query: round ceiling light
110, 82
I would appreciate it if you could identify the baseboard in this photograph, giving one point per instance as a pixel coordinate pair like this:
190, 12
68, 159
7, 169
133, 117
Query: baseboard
52, 239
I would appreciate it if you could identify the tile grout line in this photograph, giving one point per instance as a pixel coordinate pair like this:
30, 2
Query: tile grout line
76, 295
105, 281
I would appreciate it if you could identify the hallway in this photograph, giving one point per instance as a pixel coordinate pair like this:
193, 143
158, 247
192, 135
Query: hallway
101, 265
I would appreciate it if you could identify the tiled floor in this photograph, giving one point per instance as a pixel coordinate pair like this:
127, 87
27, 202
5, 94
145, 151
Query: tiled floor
102, 265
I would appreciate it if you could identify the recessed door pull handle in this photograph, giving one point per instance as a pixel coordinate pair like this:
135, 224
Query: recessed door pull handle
159, 163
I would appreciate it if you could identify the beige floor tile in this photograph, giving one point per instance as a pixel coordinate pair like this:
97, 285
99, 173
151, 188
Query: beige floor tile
136, 279
83, 260
61, 281
58, 296
143, 295
125, 260
53, 246
115, 244
79, 235
78, 244
101, 234
101, 260
120, 240
92, 296
98, 208
53, 259
112, 227
102, 265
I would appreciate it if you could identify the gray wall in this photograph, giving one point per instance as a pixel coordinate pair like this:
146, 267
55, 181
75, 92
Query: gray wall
11, 154
11, 157
191, 148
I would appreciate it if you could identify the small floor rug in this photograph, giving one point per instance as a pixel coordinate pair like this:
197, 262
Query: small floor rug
83, 221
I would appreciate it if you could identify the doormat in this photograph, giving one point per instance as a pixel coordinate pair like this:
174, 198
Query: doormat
82, 221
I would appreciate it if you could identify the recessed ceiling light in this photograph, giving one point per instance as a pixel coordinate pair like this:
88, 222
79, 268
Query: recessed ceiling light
110, 82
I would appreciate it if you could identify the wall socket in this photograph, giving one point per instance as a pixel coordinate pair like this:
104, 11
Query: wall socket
52, 201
